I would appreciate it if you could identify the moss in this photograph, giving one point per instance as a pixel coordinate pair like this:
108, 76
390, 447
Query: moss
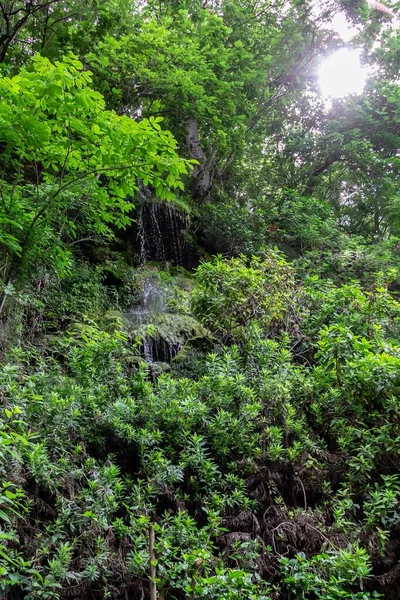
173, 328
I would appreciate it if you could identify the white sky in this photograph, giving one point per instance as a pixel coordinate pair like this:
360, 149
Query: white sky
342, 73
341, 25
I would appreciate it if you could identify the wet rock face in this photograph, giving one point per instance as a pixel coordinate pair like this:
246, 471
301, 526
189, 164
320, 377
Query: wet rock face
163, 333
160, 350
161, 234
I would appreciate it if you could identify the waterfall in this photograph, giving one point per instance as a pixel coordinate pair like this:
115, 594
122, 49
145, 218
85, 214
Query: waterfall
161, 234
160, 350
148, 309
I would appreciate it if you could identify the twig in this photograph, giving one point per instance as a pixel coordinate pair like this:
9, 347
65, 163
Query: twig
153, 573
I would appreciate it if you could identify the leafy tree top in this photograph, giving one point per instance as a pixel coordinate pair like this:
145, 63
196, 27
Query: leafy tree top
78, 159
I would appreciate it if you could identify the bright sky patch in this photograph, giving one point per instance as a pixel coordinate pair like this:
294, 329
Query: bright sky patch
342, 74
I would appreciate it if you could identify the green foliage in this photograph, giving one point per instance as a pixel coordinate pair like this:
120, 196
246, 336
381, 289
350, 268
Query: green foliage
97, 395
70, 167
184, 61
230, 295
114, 450
329, 576
264, 455
356, 259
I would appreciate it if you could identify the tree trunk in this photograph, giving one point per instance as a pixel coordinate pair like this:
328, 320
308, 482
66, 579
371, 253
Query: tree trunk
203, 172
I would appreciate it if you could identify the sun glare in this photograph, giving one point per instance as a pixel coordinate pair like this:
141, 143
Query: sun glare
342, 74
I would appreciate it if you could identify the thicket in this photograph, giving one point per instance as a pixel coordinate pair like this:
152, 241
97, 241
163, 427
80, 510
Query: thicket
262, 460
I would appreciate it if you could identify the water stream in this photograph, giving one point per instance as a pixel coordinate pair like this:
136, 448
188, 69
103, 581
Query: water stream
150, 309
161, 234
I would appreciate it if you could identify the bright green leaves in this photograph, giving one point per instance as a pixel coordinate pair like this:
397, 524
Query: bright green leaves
74, 156
233, 294
339, 573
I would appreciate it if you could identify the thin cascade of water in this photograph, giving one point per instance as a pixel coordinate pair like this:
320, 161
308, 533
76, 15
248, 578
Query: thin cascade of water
148, 350
141, 236
157, 232
160, 350
149, 306
160, 234
175, 233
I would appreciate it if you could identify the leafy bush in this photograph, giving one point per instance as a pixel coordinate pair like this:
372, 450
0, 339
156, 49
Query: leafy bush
329, 576
231, 294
